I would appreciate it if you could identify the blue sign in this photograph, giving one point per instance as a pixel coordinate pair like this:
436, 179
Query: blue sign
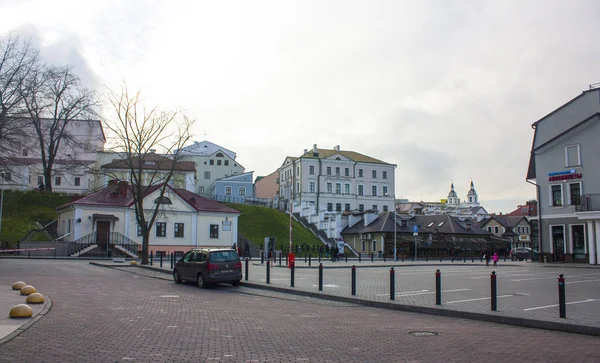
415, 229
564, 172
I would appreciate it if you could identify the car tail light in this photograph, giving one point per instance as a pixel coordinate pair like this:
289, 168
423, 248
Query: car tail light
238, 265
211, 267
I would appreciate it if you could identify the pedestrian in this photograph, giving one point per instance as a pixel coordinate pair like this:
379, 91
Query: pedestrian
495, 258
487, 258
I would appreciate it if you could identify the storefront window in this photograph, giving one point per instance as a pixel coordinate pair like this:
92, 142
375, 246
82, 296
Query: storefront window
578, 242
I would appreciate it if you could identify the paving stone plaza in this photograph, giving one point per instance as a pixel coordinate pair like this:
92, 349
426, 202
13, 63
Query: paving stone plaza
124, 313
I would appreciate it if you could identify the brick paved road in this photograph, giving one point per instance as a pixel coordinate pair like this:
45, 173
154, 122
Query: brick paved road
107, 315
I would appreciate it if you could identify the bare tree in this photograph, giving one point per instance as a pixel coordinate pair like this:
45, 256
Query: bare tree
53, 98
18, 59
139, 133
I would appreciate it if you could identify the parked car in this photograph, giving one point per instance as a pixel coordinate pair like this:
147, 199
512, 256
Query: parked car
206, 266
520, 253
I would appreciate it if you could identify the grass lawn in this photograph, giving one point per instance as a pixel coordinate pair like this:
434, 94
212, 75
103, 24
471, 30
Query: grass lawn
256, 223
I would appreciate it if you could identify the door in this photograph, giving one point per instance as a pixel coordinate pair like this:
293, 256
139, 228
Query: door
102, 234
558, 240
578, 239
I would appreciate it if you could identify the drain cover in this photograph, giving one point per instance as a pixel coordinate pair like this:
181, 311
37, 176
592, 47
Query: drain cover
423, 333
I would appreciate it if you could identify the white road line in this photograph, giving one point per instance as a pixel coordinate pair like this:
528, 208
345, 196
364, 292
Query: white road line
425, 293
481, 298
404, 293
553, 277
555, 305
576, 282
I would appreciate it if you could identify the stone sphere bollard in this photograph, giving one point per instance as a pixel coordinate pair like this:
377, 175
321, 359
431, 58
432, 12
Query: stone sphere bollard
133, 263
35, 298
18, 285
21, 311
28, 290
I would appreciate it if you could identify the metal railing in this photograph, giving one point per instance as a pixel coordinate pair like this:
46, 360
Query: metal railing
588, 202
105, 245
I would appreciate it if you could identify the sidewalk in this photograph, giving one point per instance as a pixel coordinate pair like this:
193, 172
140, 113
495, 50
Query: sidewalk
11, 327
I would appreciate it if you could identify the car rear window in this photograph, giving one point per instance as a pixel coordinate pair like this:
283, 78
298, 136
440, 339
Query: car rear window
223, 256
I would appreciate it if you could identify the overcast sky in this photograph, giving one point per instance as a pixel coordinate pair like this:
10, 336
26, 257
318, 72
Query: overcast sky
447, 90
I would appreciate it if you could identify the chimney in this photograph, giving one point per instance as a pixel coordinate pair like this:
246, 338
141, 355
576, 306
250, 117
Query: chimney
153, 150
123, 188
336, 148
305, 151
315, 151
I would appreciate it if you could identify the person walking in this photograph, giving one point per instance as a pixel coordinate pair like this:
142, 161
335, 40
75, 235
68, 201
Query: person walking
487, 258
495, 258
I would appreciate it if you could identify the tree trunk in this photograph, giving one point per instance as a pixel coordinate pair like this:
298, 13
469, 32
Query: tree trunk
145, 240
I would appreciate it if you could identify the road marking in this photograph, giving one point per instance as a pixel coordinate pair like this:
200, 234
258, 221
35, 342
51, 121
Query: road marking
481, 298
576, 282
553, 277
404, 293
424, 293
555, 305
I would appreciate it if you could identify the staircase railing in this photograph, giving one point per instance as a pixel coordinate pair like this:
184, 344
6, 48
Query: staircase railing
254, 250
81, 243
111, 239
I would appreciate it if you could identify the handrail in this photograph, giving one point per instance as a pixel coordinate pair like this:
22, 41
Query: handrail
112, 239
588, 202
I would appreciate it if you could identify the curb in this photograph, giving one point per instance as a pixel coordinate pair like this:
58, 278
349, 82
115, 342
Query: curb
522, 322
27, 325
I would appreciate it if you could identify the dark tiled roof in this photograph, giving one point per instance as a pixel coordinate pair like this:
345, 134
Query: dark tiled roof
352, 155
159, 163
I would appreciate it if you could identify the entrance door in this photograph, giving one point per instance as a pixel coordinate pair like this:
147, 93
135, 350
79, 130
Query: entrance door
558, 240
578, 239
102, 234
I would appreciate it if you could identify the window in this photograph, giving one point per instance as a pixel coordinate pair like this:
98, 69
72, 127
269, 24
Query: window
211, 162
374, 245
490, 229
201, 190
518, 229
207, 175
329, 188
347, 207
8, 177
214, 231
527, 229
77, 181
338, 188
384, 190
574, 193
360, 173
338, 207
496, 230
337, 170
218, 162
329, 170
384, 176
385, 208
139, 230
347, 188
374, 174
219, 155
360, 190
178, 230
161, 229
556, 195
374, 190
572, 155
363, 246
226, 162
347, 171
374, 206
163, 200
361, 207
311, 187
40, 180
69, 224
311, 170
242, 190
57, 180
330, 207
227, 190
25, 152
297, 170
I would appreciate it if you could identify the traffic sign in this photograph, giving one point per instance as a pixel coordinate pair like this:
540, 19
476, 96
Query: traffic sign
415, 229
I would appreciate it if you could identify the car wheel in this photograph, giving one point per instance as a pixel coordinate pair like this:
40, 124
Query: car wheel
200, 281
176, 277
235, 283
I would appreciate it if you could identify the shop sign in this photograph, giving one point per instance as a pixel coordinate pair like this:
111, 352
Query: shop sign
565, 177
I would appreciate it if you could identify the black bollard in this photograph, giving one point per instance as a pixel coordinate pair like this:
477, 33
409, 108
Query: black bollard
280, 253
305, 257
452, 258
494, 291
465, 259
161, 259
359, 256
292, 268
268, 271
320, 277
372, 256
562, 306
246, 270
262, 257
172, 258
150, 258
346, 256
472, 258
309, 260
319, 257
438, 287
353, 280
392, 284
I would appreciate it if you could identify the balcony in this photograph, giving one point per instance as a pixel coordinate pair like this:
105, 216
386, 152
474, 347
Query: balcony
588, 203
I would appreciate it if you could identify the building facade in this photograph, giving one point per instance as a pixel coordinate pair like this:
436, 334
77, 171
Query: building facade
565, 167
267, 187
235, 188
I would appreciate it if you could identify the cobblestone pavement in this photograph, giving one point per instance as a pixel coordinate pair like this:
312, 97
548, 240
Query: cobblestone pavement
109, 315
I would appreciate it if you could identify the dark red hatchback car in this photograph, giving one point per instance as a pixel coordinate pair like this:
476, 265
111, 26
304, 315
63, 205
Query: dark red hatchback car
206, 266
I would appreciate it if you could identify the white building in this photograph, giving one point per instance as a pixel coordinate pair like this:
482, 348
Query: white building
322, 184
212, 162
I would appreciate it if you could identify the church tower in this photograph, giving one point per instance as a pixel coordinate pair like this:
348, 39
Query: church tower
472, 198
452, 197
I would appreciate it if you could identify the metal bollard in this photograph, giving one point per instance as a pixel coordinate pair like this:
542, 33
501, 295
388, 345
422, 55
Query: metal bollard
172, 258
280, 253
305, 257
246, 270
372, 256
161, 259
151, 253
268, 271
292, 268
319, 257
438, 287
346, 256
262, 257
353, 280
359, 256
562, 306
465, 259
320, 277
392, 284
309, 260
494, 291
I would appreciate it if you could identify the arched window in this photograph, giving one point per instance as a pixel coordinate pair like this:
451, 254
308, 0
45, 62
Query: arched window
163, 200
219, 155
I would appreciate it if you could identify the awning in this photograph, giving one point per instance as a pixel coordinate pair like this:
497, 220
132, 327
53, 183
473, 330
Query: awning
104, 217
